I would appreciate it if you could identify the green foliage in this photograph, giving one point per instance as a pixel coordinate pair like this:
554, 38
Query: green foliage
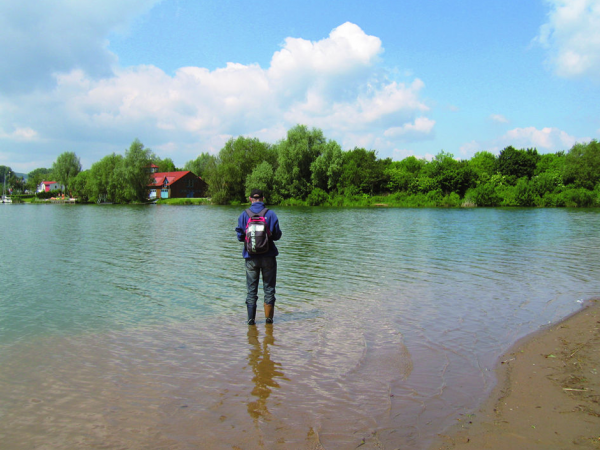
327, 168
36, 176
262, 177
119, 179
364, 171
483, 164
402, 175
524, 193
164, 165
4, 172
551, 163
317, 197
546, 182
295, 157
183, 201
579, 197
484, 195
236, 160
79, 186
307, 169
133, 172
517, 164
201, 165
102, 183
582, 165
65, 169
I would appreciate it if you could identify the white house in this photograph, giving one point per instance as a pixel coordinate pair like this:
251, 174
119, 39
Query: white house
47, 186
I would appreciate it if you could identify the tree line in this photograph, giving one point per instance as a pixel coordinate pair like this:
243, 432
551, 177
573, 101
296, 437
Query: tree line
306, 168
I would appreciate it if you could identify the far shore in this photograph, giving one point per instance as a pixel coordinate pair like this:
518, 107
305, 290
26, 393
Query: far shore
548, 393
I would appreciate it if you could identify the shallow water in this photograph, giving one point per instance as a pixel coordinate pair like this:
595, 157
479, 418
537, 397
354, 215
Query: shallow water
123, 327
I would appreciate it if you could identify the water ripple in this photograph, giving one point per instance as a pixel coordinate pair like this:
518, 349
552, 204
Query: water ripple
122, 327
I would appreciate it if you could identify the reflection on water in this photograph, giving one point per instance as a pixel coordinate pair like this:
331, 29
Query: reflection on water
265, 371
123, 327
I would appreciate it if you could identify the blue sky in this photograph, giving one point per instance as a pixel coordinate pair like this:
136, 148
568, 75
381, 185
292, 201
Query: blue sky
403, 78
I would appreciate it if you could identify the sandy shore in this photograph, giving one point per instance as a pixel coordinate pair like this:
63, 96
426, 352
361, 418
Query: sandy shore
548, 393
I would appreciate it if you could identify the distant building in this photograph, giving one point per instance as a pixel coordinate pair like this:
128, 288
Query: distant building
182, 184
47, 186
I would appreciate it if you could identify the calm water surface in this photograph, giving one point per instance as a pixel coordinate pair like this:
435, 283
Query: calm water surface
122, 327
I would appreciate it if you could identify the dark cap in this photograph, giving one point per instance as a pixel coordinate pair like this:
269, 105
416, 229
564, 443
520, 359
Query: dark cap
256, 193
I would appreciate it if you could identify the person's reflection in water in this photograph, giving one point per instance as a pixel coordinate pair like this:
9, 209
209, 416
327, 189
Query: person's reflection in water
264, 369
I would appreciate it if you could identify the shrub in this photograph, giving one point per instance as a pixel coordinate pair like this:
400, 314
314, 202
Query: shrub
484, 195
578, 197
317, 197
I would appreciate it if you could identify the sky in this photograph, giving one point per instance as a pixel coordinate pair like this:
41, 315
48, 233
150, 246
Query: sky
402, 77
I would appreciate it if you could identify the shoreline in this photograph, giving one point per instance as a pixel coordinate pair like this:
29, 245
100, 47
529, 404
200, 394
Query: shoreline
548, 392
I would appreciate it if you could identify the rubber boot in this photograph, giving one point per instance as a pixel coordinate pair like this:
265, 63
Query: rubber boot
269, 311
251, 314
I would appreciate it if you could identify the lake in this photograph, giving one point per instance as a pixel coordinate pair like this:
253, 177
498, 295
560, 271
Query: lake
123, 327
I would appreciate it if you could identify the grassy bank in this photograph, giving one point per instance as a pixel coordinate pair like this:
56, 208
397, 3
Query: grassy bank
183, 201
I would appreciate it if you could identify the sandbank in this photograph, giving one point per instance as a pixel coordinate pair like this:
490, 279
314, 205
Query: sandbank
547, 396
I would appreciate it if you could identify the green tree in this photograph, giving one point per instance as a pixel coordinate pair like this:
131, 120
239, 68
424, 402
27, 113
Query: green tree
451, 175
484, 194
484, 165
402, 175
236, 160
262, 178
326, 169
363, 172
164, 165
65, 168
524, 192
36, 176
582, 165
517, 164
101, 183
295, 157
201, 165
79, 186
5, 174
552, 163
133, 172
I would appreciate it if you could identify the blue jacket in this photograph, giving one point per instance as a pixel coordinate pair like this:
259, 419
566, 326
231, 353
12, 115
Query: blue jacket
273, 222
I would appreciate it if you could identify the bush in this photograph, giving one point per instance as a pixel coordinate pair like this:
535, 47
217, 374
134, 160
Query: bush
579, 197
46, 195
524, 194
317, 197
451, 200
484, 195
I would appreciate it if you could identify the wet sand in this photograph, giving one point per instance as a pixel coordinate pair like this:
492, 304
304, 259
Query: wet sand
548, 393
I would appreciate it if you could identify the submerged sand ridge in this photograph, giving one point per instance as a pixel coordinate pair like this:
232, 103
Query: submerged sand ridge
548, 395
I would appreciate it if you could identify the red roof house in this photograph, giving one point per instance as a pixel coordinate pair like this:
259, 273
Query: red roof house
47, 186
181, 184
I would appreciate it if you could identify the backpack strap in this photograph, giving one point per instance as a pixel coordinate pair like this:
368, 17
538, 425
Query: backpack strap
259, 214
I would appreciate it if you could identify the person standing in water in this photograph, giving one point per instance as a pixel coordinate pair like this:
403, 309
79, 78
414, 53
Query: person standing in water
258, 228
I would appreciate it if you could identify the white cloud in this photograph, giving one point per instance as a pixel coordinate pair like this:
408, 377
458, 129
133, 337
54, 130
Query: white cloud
20, 135
499, 118
39, 38
333, 84
572, 37
545, 140
422, 126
